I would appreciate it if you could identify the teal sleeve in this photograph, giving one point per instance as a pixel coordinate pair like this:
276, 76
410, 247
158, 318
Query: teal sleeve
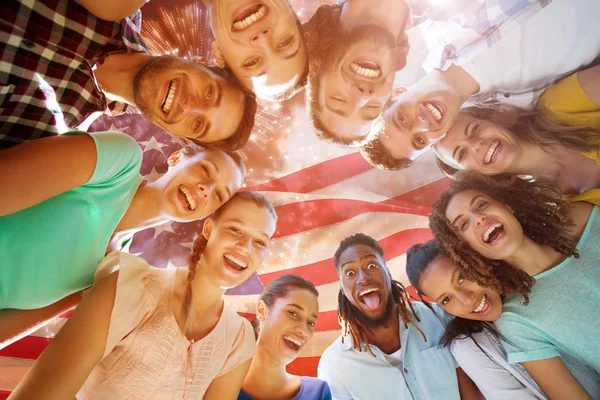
525, 342
119, 158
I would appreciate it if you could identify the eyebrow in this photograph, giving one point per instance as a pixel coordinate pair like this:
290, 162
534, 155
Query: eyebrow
451, 280
370, 255
302, 309
466, 132
473, 200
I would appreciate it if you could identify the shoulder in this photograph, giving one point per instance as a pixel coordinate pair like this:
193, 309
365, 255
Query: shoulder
315, 386
119, 157
239, 331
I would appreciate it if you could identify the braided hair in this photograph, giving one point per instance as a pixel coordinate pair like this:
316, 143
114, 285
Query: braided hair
540, 209
347, 312
201, 242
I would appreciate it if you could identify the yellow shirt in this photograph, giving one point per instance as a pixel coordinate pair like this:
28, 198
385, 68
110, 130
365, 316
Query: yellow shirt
568, 104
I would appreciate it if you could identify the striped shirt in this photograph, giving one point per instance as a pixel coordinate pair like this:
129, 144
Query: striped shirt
49, 49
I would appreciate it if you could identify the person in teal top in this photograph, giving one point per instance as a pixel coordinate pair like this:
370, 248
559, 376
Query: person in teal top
524, 240
65, 197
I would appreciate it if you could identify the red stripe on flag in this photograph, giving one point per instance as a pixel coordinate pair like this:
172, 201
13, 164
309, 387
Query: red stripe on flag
304, 366
323, 272
318, 176
29, 347
425, 195
328, 321
306, 215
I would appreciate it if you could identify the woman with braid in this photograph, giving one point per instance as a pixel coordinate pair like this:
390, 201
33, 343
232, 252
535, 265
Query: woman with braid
523, 240
150, 333
389, 346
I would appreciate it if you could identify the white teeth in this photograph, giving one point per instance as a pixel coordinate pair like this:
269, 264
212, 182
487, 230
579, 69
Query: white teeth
189, 197
481, 305
437, 113
365, 291
294, 340
489, 230
491, 151
170, 95
236, 260
249, 20
366, 72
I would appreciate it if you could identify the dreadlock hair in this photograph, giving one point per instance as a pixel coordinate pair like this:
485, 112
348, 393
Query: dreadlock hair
240, 137
201, 242
418, 259
540, 209
347, 312
537, 127
190, 149
278, 288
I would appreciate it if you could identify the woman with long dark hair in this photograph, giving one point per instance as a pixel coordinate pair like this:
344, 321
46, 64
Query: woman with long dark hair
143, 332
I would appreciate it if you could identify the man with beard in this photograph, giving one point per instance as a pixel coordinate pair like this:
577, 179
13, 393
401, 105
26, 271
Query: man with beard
388, 348
63, 65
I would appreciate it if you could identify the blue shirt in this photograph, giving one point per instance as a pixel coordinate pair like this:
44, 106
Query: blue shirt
310, 389
426, 371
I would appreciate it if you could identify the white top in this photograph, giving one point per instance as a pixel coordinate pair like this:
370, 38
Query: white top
560, 38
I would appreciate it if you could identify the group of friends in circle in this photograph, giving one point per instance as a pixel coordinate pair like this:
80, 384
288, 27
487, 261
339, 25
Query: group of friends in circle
507, 291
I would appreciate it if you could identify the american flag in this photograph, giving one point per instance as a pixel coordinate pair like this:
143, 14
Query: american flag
322, 193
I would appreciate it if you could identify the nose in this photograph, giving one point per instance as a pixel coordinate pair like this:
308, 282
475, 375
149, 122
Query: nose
467, 297
262, 35
206, 189
301, 330
480, 219
191, 105
363, 276
476, 145
363, 90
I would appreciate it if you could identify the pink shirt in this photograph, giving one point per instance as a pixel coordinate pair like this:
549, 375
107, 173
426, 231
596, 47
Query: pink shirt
146, 355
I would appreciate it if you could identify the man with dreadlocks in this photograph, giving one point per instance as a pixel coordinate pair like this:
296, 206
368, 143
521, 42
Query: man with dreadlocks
388, 347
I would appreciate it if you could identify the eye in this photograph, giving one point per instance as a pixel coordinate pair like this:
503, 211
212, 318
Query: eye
461, 278
461, 155
372, 266
421, 140
235, 230
251, 62
462, 225
482, 205
402, 119
260, 243
349, 274
219, 196
475, 128
445, 300
206, 171
293, 314
312, 324
208, 93
285, 42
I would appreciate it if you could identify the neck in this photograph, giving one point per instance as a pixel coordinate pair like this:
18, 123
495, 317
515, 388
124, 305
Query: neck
458, 79
534, 258
391, 14
115, 76
266, 375
387, 338
144, 210
543, 163
211, 297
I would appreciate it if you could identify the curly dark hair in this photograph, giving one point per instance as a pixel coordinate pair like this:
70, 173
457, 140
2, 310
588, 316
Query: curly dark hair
347, 311
541, 210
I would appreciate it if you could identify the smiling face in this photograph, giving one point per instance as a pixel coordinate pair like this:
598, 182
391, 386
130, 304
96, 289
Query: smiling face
196, 185
365, 281
486, 225
418, 118
354, 82
444, 282
187, 99
288, 324
478, 145
237, 242
260, 41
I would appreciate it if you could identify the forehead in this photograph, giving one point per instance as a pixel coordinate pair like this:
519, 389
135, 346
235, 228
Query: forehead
301, 297
436, 276
398, 143
354, 254
227, 168
461, 202
255, 219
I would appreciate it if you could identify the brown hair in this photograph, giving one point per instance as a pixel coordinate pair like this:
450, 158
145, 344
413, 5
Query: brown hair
190, 149
280, 287
378, 156
240, 137
540, 209
200, 244
537, 127
349, 322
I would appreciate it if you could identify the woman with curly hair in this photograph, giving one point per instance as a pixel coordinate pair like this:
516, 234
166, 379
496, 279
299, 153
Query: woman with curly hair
473, 340
559, 142
156, 333
523, 240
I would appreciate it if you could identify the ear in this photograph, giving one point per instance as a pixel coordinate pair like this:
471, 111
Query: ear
398, 91
217, 54
207, 228
202, 61
174, 158
261, 311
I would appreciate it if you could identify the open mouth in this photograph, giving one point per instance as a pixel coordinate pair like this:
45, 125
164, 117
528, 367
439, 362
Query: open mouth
493, 233
169, 96
366, 69
370, 297
187, 198
293, 343
490, 155
484, 305
434, 110
249, 17
236, 263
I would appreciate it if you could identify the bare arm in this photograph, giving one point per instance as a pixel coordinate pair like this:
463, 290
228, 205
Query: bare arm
71, 356
38, 170
589, 79
16, 324
555, 379
112, 10
228, 386
466, 387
